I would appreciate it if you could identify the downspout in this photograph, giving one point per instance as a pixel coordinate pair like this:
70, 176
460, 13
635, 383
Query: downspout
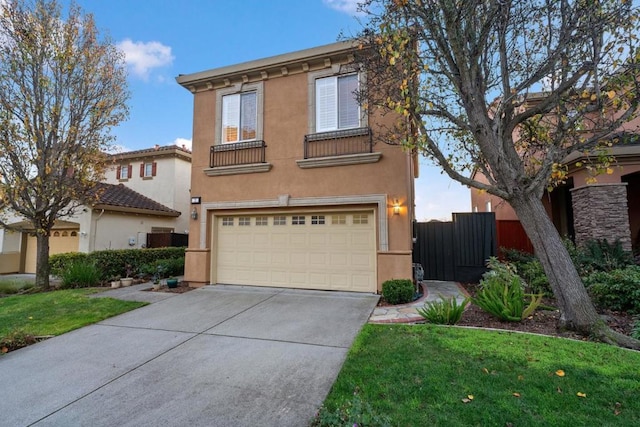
95, 232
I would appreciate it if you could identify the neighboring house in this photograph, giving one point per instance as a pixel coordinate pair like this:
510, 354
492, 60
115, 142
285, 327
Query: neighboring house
291, 186
129, 206
583, 208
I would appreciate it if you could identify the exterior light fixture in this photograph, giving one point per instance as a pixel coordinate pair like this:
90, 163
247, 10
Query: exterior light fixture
396, 207
194, 214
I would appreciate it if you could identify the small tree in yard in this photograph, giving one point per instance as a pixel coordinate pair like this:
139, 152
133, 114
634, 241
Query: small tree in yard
508, 89
61, 91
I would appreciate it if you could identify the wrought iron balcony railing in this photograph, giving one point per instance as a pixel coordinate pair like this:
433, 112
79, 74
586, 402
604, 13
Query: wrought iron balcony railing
338, 143
237, 153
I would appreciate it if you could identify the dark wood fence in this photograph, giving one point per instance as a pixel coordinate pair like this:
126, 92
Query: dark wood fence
457, 250
511, 235
163, 240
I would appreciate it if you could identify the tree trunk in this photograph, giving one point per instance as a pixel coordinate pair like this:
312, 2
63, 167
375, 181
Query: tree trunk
42, 260
577, 312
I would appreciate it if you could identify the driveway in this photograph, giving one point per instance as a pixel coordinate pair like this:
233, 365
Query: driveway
216, 356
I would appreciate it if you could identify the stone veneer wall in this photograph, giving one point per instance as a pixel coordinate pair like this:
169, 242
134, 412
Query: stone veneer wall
600, 212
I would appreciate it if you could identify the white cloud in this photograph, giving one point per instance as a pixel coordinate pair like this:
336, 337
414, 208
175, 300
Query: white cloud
142, 57
346, 6
183, 142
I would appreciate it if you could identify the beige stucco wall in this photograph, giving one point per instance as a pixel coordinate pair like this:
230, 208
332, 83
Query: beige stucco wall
170, 186
285, 124
113, 230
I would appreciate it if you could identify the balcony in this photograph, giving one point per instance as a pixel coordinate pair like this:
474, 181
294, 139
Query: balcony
236, 158
337, 148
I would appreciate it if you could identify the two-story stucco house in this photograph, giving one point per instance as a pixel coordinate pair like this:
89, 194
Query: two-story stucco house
146, 191
291, 186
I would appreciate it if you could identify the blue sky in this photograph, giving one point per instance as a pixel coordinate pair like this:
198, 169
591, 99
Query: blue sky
164, 38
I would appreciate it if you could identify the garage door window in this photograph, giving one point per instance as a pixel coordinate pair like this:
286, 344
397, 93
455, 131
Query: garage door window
361, 219
279, 220
338, 219
262, 220
317, 219
244, 221
297, 220
227, 221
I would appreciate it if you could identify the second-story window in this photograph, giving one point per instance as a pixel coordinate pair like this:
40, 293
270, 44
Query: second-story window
148, 169
336, 103
123, 172
239, 117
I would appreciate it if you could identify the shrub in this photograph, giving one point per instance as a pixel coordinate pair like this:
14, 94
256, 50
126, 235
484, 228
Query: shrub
534, 277
600, 255
112, 262
60, 262
351, 413
163, 268
447, 311
15, 339
502, 293
617, 290
398, 291
80, 274
635, 331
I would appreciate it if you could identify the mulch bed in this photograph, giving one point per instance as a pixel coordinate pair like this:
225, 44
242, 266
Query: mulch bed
181, 289
541, 322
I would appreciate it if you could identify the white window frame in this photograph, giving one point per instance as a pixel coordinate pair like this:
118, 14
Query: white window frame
148, 170
337, 71
240, 88
124, 172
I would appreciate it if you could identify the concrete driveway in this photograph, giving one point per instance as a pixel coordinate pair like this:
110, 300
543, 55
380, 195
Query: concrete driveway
216, 356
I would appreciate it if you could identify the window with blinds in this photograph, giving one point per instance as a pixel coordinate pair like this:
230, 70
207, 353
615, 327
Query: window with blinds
336, 103
239, 117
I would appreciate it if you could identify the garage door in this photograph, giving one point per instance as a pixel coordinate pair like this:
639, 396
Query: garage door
334, 251
60, 241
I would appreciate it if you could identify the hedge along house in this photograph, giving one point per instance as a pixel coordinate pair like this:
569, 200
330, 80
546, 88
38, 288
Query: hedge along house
146, 191
289, 186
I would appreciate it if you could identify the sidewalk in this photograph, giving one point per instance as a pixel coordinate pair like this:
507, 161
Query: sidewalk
407, 313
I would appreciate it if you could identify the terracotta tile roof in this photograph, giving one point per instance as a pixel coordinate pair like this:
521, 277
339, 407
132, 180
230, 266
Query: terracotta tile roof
123, 198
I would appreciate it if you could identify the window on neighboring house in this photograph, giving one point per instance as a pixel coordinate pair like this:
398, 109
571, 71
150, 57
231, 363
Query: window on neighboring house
123, 172
239, 117
148, 170
336, 103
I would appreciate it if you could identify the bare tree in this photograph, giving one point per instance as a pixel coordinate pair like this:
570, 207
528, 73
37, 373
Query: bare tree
62, 89
505, 90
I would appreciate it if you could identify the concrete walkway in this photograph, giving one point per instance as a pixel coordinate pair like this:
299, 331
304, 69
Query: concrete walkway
407, 313
215, 356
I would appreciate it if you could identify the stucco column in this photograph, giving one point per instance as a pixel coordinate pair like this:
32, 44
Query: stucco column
600, 212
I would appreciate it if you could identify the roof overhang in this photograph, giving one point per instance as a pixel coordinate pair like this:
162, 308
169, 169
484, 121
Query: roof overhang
276, 66
138, 211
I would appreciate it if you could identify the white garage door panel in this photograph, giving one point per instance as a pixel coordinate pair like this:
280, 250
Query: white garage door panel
337, 256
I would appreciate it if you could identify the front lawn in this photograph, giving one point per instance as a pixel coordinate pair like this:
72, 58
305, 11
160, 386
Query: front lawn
423, 375
54, 313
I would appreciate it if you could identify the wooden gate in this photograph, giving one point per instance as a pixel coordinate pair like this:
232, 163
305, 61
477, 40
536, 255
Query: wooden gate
457, 250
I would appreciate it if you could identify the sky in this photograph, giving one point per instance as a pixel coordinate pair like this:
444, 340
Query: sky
164, 38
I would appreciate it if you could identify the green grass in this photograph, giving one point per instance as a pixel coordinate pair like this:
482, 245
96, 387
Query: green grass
14, 286
418, 375
57, 312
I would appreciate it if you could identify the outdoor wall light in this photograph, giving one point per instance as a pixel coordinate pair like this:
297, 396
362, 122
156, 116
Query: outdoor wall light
194, 214
396, 207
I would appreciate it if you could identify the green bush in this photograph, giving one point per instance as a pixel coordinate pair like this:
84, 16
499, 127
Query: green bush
635, 332
80, 274
398, 291
447, 311
60, 262
502, 294
351, 413
112, 263
163, 268
617, 290
600, 255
